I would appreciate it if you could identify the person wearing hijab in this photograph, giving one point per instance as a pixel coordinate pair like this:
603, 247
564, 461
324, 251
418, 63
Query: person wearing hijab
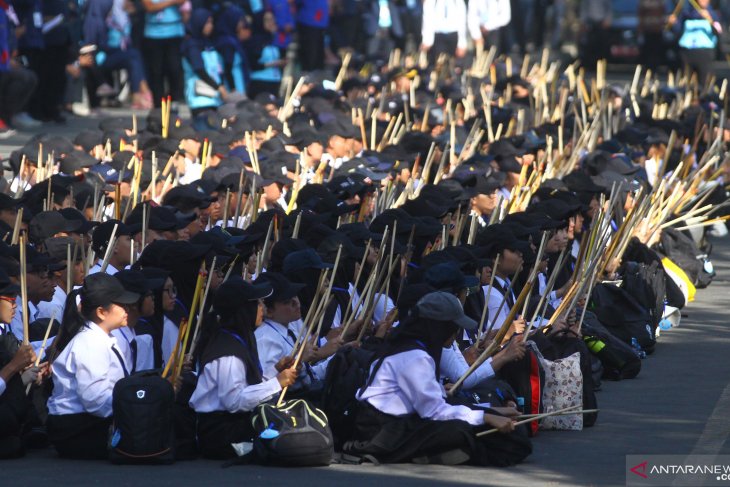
232, 382
264, 58
230, 30
88, 365
205, 89
403, 414
107, 26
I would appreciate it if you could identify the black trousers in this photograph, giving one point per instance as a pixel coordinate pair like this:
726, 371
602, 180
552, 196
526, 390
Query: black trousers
80, 436
163, 62
443, 44
311, 47
256, 87
398, 439
49, 66
699, 61
14, 407
216, 432
16, 87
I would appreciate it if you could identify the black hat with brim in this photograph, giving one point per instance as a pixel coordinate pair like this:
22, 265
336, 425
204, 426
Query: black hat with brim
102, 289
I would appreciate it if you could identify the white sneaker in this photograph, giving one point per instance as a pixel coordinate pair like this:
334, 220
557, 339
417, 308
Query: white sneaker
23, 121
80, 109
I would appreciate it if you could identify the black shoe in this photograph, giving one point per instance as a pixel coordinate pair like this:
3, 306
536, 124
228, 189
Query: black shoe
36, 438
11, 447
451, 457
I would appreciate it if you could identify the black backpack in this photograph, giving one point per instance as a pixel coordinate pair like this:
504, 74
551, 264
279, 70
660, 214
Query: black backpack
683, 251
347, 372
624, 316
527, 378
143, 430
647, 284
619, 359
294, 434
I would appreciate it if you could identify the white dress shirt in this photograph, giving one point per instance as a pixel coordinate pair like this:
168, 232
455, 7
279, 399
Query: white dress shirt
406, 384
84, 374
552, 299
453, 365
145, 352
223, 387
488, 14
169, 338
57, 304
110, 269
444, 17
494, 300
16, 325
193, 171
274, 343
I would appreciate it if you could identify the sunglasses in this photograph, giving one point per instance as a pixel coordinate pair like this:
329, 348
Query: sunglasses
8, 299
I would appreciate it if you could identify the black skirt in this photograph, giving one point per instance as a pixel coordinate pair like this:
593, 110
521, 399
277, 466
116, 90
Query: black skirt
81, 436
217, 430
399, 439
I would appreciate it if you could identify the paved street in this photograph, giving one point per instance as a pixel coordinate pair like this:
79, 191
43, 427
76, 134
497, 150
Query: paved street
679, 404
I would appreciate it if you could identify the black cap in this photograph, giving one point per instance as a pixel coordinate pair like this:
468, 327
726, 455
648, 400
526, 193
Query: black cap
497, 238
138, 282
103, 233
72, 214
489, 184
509, 164
75, 161
57, 248
282, 288
235, 292
304, 259
554, 208
168, 254
101, 289
7, 287
88, 139
7, 202
48, 223
443, 306
187, 197
448, 277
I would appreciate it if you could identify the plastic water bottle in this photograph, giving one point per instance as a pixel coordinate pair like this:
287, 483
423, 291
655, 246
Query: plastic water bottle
637, 348
665, 324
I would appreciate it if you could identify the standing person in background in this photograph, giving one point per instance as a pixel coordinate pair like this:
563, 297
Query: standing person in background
47, 51
595, 19
231, 30
488, 21
411, 13
283, 11
444, 28
312, 22
203, 68
652, 15
16, 82
383, 28
700, 31
107, 26
163, 35
264, 58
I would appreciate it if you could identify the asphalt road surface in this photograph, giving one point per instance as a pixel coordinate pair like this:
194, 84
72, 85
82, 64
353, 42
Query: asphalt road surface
679, 404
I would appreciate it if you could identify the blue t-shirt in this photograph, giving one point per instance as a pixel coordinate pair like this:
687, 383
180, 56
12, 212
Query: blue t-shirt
165, 24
